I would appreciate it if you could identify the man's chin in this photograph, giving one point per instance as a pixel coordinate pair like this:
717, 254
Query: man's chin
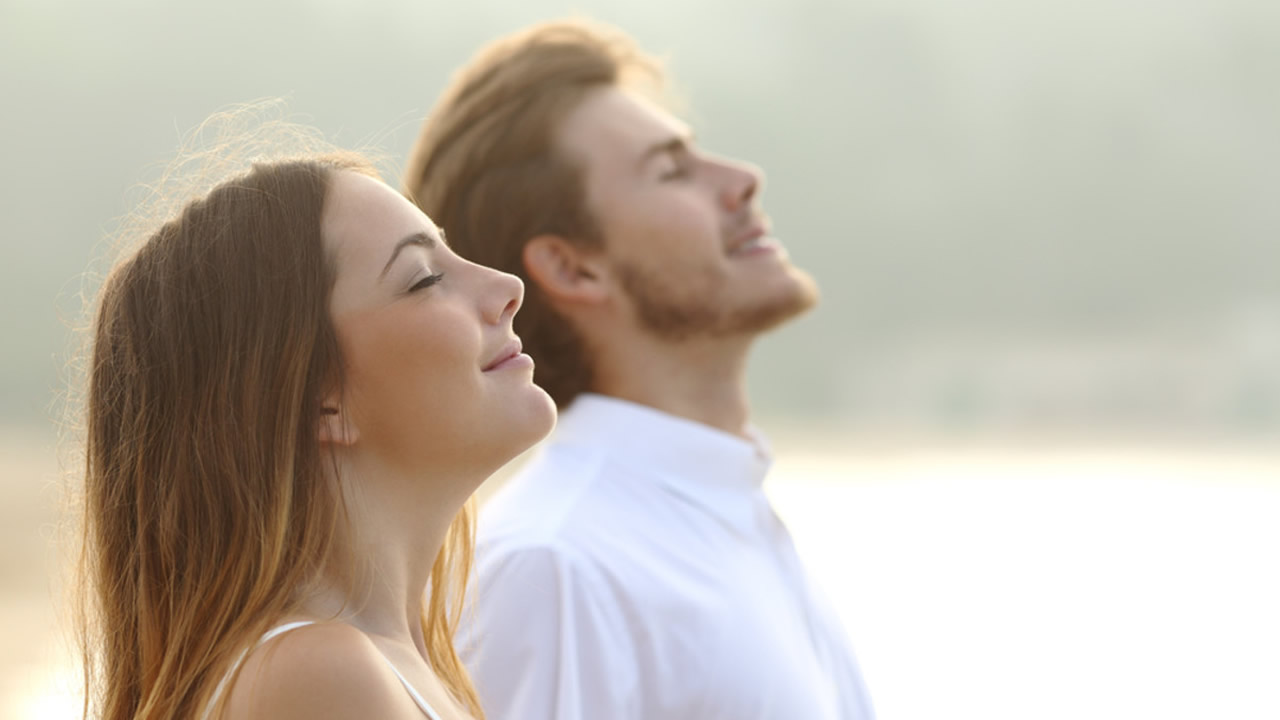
798, 296
799, 293
806, 288
751, 306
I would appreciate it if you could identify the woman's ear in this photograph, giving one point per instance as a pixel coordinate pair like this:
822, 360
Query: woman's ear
566, 272
335, 426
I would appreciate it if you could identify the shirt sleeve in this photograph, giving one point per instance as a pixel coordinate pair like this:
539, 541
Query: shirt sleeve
544, 639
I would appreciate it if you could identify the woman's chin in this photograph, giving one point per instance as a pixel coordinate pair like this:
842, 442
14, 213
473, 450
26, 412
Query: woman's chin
541, 418
531, 419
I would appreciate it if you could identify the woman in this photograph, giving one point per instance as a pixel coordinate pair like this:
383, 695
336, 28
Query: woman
294, 388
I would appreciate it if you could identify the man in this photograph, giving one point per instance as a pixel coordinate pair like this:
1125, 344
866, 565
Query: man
634, 569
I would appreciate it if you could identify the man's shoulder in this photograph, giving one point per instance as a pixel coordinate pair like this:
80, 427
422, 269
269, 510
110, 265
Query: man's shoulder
561, 516
550, 501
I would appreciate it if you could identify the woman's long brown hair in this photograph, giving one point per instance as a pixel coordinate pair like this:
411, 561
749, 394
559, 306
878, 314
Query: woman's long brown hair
207, 505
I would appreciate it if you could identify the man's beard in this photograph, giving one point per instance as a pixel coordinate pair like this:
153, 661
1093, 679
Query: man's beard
699, 310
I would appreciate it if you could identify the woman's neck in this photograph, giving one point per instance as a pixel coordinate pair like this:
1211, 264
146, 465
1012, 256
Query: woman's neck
398, 526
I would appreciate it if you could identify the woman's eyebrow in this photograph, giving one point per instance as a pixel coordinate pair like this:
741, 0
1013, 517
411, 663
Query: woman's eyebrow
420, 239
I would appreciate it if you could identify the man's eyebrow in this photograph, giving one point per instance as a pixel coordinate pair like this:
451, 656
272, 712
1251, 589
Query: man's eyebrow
421, 239
675, 144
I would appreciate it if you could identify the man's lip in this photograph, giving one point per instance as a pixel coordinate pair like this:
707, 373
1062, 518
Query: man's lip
756, 230
510, 350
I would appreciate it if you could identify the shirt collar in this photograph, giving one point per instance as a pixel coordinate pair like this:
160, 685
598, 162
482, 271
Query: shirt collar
665, 443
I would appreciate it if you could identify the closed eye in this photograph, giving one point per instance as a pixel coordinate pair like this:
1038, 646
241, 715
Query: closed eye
682, 162
426, 282
674, 173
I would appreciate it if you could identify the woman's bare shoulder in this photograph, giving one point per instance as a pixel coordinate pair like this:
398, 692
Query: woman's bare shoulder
326, 670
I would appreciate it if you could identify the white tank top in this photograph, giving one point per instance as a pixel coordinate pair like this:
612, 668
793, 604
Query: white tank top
420, 701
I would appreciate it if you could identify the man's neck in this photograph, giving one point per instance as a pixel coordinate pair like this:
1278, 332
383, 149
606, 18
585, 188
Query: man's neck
702, 381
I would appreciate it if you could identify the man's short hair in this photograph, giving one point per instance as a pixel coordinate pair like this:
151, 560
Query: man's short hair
485, 166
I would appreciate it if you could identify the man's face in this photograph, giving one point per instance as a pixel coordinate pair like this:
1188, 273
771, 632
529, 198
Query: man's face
683, 233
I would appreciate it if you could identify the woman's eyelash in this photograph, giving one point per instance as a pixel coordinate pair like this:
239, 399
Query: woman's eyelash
427, 282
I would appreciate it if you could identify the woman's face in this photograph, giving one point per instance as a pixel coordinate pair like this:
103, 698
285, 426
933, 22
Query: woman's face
434, 380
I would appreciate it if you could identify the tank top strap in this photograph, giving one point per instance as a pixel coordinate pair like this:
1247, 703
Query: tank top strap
278, 630
222, 684
421, 702
281, 629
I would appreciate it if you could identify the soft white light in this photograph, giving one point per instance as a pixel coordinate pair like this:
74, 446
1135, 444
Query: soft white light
1053, 586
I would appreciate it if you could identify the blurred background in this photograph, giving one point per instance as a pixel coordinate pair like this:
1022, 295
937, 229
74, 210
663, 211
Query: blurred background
1030, 441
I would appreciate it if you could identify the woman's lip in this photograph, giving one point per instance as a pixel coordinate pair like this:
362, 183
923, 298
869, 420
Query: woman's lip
519, 360
509, 351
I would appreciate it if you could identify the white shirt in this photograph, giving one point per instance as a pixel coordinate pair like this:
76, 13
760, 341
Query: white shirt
635, 569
